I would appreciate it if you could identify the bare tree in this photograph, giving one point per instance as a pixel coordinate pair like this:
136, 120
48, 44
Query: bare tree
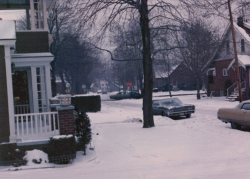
119, 10
201, 41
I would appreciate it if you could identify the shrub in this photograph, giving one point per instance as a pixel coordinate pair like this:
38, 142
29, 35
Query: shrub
11, 155
59, 147
87, 103
83, 131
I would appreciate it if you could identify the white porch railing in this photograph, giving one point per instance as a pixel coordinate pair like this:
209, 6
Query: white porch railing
36, 125
22, 109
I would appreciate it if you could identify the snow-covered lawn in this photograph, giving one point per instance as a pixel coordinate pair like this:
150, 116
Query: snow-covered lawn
198, 147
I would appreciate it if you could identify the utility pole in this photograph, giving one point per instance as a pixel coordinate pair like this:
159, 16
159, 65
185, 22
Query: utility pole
235, 52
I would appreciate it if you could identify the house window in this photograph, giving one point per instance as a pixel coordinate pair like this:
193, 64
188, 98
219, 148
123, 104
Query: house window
228, 47
242, 45
225, 72
38, 7
221, 93
214, 73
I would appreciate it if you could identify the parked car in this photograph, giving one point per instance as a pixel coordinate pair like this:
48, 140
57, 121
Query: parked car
155, 90
238, 116
126, 95
172, 107
99, 92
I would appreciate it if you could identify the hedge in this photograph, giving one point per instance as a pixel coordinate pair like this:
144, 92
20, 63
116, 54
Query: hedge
87, 103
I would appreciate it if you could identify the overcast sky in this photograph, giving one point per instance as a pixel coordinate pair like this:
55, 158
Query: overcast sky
11, 14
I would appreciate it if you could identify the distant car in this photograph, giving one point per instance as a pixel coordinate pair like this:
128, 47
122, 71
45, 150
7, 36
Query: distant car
172, 107
155, 90
126, 95
99, 92
238, 116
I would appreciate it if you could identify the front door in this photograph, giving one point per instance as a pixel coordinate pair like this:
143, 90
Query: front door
22, 91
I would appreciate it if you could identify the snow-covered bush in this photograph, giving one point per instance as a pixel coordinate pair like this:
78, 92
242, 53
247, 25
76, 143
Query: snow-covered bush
83, 131
34, 157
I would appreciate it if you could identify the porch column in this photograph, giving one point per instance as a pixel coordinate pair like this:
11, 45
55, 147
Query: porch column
45, 16
12, 137
32, 11
34, 89
48, 85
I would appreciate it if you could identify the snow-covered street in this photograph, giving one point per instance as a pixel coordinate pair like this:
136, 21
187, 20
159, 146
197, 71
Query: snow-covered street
198, 147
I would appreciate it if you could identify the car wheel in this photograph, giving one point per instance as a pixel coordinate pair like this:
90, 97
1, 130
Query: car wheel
235, 125
163, 113
188, 115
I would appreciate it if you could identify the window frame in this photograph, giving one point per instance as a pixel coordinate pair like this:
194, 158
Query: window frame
225, 72
242, 42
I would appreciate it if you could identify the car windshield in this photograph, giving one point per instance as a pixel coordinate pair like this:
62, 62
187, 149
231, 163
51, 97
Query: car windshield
239, 106
171, 102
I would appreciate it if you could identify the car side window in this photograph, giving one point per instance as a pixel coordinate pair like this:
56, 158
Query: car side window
246, 106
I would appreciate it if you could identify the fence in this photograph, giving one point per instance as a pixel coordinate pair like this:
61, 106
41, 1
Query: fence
22, 109
36, 125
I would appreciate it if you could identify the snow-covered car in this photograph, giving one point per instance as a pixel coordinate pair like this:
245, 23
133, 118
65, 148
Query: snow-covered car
172, 107
126, 95
238, 116
99, 92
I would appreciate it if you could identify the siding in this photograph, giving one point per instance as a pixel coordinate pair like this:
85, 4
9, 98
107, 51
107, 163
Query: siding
4, 114
32, 42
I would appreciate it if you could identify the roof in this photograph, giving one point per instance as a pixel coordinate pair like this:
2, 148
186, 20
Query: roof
240, 30
160, 72
7, 30
244, 60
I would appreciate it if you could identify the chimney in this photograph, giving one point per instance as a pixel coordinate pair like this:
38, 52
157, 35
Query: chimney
240, 21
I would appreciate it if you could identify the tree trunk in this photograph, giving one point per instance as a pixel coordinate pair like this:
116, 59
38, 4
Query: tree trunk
53, 75
198, 89
148, 120
169, 88
63, 82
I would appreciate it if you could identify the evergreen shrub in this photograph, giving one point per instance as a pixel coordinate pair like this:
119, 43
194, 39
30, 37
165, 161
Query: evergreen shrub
83, 131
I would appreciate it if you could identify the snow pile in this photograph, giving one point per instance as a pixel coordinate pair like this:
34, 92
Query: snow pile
62, 136
35, 157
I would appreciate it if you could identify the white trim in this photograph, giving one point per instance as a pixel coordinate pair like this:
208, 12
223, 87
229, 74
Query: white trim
32, 61
211, 69
48, 85
7, 42
30, 91
45, 16
33, 30
12, 137
34, 89
226, 72
239, 62
32, 11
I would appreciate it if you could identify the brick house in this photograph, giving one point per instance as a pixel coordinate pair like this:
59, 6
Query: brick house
221, 73
25, 81
180, 78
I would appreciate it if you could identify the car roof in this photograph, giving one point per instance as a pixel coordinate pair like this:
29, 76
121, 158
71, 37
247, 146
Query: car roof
247, 101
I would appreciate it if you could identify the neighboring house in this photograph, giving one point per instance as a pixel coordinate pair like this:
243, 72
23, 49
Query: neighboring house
114, 86
180, 78
94, 87
104, 86
25, 80
221, 73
